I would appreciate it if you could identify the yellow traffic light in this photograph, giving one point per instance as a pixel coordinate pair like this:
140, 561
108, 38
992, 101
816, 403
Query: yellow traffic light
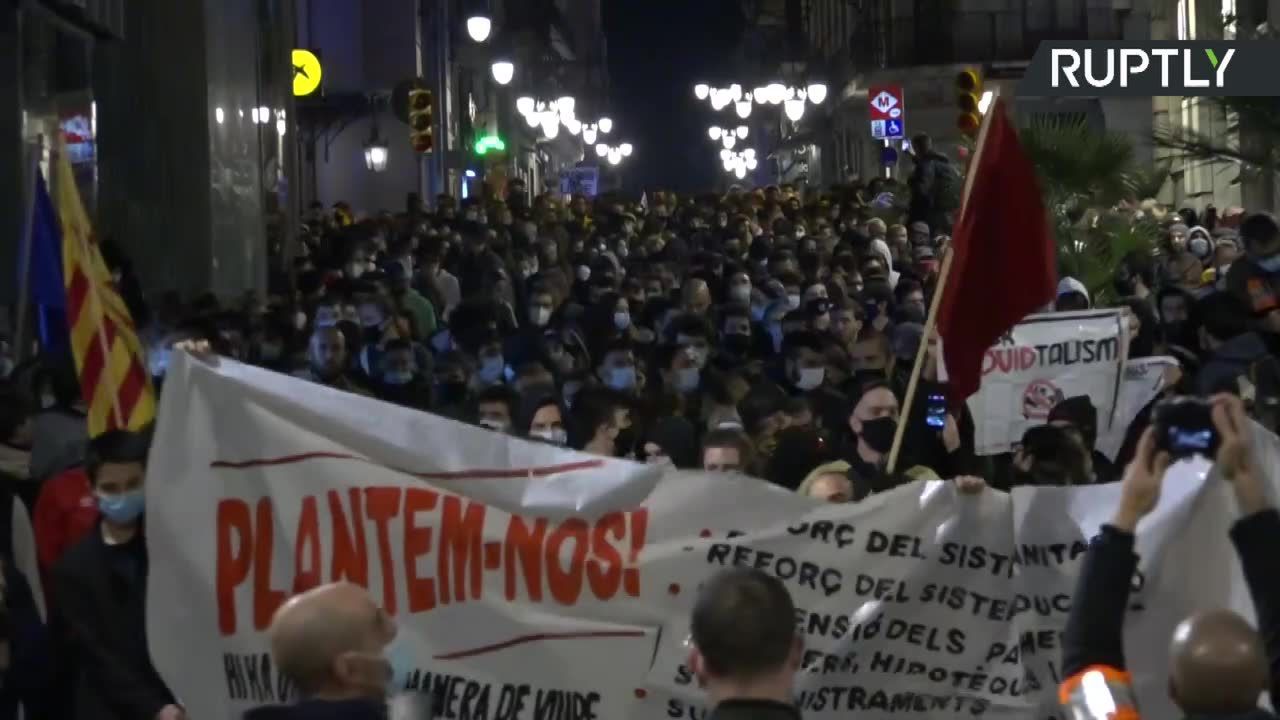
421, 121
968, 100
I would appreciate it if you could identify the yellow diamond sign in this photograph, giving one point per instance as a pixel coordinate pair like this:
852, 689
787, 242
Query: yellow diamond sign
306, 72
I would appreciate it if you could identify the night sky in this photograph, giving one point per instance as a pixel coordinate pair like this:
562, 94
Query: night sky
657, 50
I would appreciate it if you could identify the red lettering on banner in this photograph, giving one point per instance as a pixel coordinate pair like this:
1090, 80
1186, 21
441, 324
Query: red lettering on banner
445, 553
1008, 359
306, 554
266, 599
382, 504
417, 542
350, 558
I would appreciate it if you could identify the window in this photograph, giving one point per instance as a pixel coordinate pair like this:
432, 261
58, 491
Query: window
1229, 19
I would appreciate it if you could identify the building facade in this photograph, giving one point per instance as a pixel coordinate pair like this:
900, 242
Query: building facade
367, 49
174, 116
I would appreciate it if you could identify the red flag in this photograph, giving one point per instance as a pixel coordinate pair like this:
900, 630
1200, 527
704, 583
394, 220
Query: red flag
1003, 267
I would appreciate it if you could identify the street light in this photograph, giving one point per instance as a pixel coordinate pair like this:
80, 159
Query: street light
615, 156
503, 71
794, 109
479, 27
524, 104
714, 132
572, 124
817, 92
701, 91
743, 107
602, 150
375, 156
742, 132
625, 149
550, 125
729, 140
566, 104
605, 125
589, 134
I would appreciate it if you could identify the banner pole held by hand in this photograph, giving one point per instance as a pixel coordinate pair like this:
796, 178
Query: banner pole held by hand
931, 321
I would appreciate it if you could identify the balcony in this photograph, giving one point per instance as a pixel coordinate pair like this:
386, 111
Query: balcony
933, 32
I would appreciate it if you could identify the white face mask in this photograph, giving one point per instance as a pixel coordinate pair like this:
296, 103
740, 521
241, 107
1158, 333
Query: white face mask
622, 320
793, 302
740, 293
540, 316
811, 378
551, 435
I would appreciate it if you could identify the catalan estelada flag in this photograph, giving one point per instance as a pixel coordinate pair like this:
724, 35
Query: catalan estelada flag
109, 357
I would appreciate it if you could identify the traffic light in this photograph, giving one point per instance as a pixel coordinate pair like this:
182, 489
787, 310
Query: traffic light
421, 122
968, 99
489, 143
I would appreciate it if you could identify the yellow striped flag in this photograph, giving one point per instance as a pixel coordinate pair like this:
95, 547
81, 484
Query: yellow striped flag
110, 359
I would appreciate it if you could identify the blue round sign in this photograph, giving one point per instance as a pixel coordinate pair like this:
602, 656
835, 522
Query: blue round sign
888, 156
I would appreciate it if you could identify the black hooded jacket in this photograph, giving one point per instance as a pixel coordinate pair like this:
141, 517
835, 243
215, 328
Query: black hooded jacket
1094, 632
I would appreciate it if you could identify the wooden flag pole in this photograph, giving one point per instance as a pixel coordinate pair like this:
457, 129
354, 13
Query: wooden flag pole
931, 321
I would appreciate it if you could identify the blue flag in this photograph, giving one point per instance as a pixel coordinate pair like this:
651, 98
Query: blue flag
48, 293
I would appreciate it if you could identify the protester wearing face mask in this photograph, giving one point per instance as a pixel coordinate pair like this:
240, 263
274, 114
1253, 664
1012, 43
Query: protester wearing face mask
451, 388
491, 366
804, 369
344, 654
1255, 278
871, 356
617, 369
739, 288
101, 586
496, 408
874, 421
547, 423
682, 374
400, 380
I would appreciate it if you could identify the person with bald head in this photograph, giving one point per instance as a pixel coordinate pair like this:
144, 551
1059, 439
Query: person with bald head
341, 650
1218, 664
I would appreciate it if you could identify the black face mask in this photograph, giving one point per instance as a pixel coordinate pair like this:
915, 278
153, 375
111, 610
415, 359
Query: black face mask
452, 392
738, 346
878, 434
864, 376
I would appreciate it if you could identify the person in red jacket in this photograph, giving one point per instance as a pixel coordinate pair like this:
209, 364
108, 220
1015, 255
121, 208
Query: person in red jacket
65, 512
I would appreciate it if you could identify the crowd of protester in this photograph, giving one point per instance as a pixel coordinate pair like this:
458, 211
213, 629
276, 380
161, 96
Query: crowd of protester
767, 332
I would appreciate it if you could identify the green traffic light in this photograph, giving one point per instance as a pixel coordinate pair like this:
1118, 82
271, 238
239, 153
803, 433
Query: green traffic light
490, 142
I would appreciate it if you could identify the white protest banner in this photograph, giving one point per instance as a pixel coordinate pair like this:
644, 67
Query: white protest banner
1042, 361
539, 584
1144, 379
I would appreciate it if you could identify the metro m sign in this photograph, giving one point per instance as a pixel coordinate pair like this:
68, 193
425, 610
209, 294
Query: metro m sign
885, 102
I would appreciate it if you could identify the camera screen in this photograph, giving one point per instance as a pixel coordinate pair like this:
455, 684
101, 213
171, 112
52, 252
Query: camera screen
936, 416
1196, 440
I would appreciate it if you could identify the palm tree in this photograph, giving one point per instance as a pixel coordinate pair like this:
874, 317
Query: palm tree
1085, 175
